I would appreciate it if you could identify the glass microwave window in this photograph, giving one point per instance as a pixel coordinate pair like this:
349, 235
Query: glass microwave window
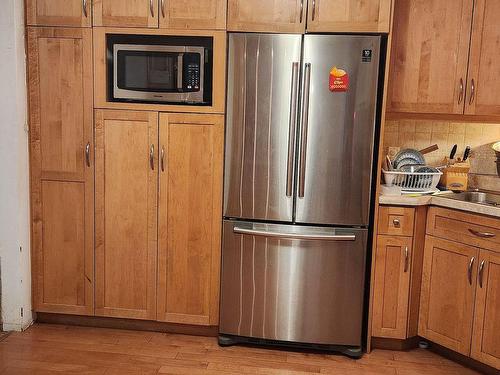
147, 71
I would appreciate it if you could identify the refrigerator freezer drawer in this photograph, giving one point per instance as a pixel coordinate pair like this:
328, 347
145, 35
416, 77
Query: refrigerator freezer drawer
293, 283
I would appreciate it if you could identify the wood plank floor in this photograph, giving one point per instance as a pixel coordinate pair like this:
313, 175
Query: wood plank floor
56, 349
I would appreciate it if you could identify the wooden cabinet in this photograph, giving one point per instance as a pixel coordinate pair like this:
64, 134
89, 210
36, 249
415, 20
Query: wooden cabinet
483, 83
396, 221
392, 277
75, 13
126, 13
485, 338
126, 213
193, 14
349, 16
448, 292
287, 16
429, 59
62, 172
191, 159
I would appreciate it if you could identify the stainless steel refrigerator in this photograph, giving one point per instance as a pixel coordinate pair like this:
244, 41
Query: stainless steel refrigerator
301, 117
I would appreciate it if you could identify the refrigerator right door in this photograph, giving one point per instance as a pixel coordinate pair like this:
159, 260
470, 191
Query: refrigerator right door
338, 104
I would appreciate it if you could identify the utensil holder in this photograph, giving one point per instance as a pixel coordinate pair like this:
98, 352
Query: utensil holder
455, 176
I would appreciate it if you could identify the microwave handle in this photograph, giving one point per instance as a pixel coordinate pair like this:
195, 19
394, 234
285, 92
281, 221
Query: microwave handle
180, 69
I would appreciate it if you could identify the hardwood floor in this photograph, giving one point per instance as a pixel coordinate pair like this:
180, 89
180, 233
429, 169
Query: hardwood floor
56, 349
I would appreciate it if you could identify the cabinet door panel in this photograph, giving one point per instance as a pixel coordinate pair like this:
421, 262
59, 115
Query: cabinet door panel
429, 56
485, 339
193, 14
190, 218
392, 286
126, 214
483, 97
76, 13
126, 13
447, 300
267, 15
62, 179
349, 16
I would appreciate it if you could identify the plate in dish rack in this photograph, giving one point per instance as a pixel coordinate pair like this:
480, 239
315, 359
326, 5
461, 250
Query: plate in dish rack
408, 157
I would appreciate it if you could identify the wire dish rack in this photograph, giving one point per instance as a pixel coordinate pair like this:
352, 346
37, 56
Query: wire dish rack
413, 182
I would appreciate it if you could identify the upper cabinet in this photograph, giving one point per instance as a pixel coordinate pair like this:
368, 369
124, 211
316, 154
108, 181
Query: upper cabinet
76, 13
267, 15
443, 57
186, 14
484, 79
349, 16
430, 50
193, 14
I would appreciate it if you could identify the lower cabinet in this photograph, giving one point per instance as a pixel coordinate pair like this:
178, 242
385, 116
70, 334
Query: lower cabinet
191, 160
392, 277
126, 185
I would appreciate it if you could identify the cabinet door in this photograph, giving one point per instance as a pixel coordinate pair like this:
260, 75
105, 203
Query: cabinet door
429, 56
76, 13
392, 286
62, 173
126, 13
448, 290
193, 14
486, 338
349, 16
286, 16
484, 78
126, 213
190, 217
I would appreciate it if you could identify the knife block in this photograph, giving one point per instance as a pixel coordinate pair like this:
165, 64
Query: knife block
455, 176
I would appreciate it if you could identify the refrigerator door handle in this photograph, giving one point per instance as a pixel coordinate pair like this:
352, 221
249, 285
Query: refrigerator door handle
297, 236
305, 126
292, 128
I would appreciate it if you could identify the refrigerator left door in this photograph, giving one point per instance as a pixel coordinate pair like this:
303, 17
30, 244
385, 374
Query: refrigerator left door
263, 86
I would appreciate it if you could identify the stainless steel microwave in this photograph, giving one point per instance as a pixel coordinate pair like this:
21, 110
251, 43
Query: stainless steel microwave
160, 73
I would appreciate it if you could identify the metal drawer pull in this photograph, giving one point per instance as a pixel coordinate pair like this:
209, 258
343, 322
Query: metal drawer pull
461, 92
87, 154
314, 10
296, 236
406, 259
151, 8
482, 234
480, 273
162, 159
469, 269
84, 7
472, 91
301, 10
152, 157
397, 223
163, 8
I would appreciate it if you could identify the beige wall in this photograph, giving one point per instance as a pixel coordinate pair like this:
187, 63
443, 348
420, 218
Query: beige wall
419, 134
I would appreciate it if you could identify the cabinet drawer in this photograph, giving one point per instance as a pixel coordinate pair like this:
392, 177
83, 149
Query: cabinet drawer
470, 229
396, 221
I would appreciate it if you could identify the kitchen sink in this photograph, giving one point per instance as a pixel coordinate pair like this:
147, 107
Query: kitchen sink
479, 197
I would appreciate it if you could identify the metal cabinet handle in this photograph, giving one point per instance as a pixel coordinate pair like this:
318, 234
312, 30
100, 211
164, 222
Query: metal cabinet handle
461, 92
480, 273
152, 157
292, 128
84, 8
407, 258
162, 159
301, 10
482, 234
472, 91
469, 269
314, 10
305, 125
163, 8
397, 223
87, 154
151, 8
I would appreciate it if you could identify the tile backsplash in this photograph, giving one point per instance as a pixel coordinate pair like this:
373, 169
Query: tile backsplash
419, 134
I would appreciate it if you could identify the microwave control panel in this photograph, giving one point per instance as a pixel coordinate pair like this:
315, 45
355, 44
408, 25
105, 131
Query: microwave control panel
191, 74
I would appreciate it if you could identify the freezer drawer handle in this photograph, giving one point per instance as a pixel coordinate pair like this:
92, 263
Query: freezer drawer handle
297, 236
292, 128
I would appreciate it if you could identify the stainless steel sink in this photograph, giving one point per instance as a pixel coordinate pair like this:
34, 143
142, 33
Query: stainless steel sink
479, 197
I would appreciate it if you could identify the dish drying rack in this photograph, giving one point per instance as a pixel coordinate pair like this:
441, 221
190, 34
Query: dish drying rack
413, 182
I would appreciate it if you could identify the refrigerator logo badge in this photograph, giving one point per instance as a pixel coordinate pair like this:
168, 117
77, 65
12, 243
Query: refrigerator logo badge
339, 80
